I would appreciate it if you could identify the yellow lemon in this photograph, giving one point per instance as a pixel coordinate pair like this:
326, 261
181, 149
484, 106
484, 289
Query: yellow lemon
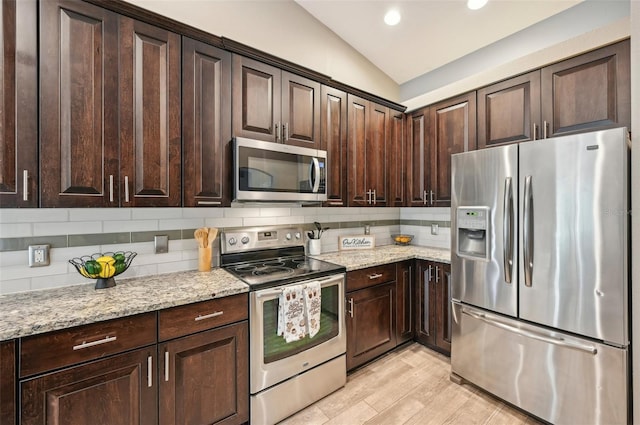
107, 264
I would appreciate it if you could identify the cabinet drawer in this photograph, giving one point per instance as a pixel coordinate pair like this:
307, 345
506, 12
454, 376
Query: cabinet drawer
184, 320
40, 353
371, 276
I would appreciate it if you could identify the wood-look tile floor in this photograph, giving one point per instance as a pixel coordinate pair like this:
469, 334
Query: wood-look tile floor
408, 386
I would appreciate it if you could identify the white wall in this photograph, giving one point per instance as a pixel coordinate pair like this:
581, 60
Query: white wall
284, 29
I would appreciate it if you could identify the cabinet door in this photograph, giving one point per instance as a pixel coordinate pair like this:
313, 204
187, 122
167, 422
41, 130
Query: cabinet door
206, 124
256, 100
509, 111
371, 323
588, 92
376, 152
79, 135
359, 118
205, 377
396, 159
8, 375
120, 390
300, 111
453, 130
417, 154
425, 303
443, 308
150, 157
18, 104
404, 305
333, 139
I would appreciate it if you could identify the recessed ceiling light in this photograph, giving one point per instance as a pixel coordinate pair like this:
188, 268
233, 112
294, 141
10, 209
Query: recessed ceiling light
392, 17
476, 4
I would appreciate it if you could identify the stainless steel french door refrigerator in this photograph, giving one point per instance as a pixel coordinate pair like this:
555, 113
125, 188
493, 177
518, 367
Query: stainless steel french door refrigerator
540, 275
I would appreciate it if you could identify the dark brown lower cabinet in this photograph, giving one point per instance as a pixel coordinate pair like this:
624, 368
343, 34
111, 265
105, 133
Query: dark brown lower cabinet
371, 323
8, 383
404, 305
433, 305
120, 390
204, 377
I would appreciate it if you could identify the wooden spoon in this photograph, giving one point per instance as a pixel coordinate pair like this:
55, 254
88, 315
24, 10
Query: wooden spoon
213, 232
201, 236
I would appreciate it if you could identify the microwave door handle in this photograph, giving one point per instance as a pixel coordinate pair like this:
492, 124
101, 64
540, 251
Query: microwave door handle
314, 169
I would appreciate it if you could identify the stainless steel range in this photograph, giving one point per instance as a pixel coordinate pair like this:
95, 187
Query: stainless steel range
287, 376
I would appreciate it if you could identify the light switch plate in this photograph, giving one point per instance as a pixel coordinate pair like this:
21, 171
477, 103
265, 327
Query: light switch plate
434, 229
161, 243
39, 255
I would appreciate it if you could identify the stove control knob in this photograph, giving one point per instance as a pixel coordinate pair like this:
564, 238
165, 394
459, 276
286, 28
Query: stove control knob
298, 235
232, 241
245, 240
288, 236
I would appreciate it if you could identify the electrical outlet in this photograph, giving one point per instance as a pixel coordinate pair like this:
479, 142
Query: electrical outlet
161, 244
434, 229
39, 255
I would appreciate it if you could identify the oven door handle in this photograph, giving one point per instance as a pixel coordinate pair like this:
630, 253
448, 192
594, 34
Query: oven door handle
324, 282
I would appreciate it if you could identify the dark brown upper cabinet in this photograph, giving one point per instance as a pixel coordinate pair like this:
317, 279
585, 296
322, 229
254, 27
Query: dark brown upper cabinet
206, 124
416, 166
333, 119
588, 92
274, 105
150, 139
368, 140
397, 159
18, 104
79, 137
452, 130
110, 109
509, 111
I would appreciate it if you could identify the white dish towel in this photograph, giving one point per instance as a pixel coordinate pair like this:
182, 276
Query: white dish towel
292, 324
313, 307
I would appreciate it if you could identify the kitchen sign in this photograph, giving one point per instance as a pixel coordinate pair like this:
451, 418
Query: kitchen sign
356, 242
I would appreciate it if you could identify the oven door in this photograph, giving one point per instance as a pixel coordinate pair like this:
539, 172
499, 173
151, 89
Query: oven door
273, 360
267, 171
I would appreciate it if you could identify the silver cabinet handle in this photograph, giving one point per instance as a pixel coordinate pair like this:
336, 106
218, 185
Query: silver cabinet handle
278, 131
507, 230
94, 343
285, 127
531, 334
437, 273
25, 185
374, 197
425, 297
209, 203
544, 128
528, 231
166, 366
375, 276
429, 270
424, 197
535, 131
209, 316
350, 302
448, 277
111, 188
431, 197
126, 188
149, 371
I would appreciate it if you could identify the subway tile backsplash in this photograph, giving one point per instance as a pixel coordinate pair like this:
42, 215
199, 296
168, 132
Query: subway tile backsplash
76, 232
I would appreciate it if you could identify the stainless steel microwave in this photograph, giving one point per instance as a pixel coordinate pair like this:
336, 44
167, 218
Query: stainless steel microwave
267, 171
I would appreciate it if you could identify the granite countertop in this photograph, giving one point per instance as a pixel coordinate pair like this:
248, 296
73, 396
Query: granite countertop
31, 313
360, 259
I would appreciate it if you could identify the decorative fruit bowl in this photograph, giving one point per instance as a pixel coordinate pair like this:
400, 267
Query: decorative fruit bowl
402, 239
103, 266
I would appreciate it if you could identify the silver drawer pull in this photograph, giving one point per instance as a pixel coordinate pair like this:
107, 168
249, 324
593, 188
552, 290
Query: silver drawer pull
209, 202
375, 276
209, 316
94, 343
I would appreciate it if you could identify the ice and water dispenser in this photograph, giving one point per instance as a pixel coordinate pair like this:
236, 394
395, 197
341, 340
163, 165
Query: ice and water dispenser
473, 233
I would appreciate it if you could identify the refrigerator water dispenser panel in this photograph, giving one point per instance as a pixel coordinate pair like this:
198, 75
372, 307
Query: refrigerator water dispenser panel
473, 233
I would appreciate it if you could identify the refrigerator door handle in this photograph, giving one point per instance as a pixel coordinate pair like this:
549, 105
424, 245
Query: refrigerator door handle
528, 232
531, 334
507, 231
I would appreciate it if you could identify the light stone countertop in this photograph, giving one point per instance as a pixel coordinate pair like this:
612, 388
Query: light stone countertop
30, 313
363, 258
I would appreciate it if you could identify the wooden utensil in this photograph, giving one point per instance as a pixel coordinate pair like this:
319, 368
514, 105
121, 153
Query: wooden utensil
202, 236
213, 233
